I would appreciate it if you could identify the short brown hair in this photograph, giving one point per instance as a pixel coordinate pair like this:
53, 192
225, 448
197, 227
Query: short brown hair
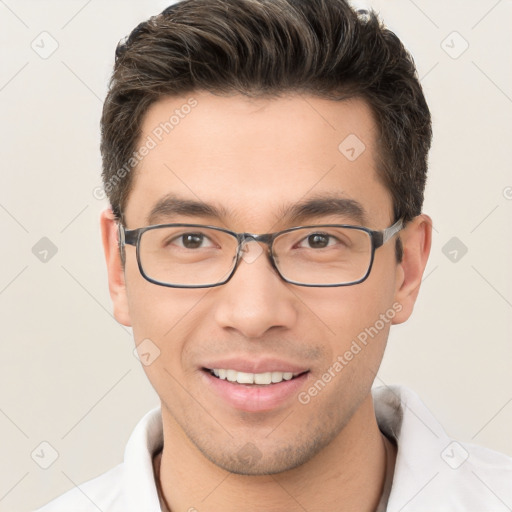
269, 48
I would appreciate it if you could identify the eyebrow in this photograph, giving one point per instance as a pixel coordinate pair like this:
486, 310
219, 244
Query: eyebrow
324, 205
171, 205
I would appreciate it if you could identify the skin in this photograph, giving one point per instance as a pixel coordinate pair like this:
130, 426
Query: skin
253, 156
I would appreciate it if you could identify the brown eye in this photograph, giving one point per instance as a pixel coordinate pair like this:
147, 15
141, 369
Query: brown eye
192, 240
318, 240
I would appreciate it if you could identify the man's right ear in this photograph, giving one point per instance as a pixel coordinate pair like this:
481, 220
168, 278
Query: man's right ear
115, 270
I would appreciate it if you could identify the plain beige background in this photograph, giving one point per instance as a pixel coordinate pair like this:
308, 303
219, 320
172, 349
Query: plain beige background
68, 374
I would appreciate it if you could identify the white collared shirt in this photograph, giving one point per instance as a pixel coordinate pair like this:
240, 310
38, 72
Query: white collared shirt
433, 473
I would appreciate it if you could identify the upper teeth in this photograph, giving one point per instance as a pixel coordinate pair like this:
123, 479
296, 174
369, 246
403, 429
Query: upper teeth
253, 378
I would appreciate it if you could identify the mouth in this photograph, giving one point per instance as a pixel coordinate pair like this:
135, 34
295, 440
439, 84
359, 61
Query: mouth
252, 379
254, 392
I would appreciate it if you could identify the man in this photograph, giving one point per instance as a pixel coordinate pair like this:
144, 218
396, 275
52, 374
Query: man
265, 163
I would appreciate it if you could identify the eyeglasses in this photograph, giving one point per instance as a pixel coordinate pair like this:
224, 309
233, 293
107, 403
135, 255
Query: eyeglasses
198, 256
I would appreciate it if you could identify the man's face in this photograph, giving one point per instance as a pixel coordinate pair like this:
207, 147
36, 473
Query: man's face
251, 161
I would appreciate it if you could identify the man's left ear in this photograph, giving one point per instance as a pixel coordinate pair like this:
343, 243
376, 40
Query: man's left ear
416, 240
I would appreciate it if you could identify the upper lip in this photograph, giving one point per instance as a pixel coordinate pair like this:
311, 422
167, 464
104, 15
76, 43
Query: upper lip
255, 365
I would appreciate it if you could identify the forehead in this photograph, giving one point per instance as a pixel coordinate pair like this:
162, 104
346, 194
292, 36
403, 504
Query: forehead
252, 157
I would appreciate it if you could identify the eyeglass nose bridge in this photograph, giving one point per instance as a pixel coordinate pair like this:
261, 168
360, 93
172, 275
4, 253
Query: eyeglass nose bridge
246, 238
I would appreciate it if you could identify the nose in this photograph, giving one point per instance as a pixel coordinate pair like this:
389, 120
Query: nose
255, 300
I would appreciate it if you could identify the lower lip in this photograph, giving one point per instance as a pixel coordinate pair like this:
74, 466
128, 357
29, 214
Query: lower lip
255, 398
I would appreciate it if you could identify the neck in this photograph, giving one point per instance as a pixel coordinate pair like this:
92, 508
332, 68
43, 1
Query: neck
348, 475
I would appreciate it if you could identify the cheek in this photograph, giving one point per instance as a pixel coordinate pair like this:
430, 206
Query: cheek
344, 312
356, 322
155, 310
353, 324
162, 320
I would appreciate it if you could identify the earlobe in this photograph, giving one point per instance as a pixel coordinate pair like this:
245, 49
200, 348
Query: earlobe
115, 270
416, 240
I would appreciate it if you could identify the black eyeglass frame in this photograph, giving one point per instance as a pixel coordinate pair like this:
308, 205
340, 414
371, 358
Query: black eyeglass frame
377, 237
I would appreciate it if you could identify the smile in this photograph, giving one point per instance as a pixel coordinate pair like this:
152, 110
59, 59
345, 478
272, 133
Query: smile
265, 378
254, 392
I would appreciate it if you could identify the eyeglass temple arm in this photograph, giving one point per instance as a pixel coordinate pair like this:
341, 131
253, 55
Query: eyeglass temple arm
127, 236
124, 237
381, 237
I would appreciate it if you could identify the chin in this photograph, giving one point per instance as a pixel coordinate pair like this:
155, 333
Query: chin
253, 459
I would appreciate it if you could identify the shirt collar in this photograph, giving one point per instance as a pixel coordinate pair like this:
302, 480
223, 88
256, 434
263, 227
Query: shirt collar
139, 481
400, 415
